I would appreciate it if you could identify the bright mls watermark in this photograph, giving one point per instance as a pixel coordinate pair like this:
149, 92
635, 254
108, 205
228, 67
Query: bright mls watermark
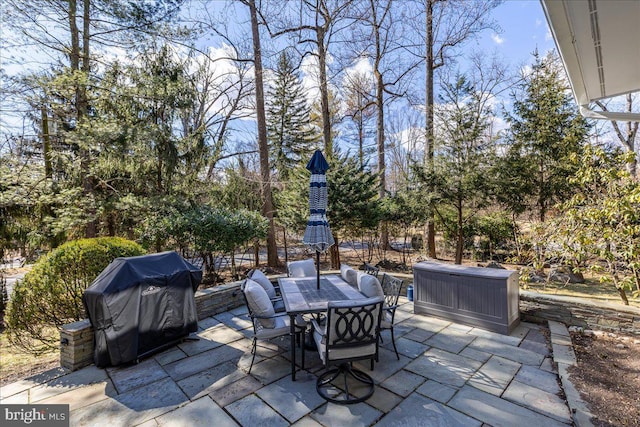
34, 415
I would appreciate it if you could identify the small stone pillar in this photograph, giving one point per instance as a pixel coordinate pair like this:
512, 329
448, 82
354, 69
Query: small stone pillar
76, 345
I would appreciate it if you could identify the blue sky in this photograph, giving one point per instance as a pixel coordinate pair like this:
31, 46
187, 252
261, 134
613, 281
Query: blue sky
524, 28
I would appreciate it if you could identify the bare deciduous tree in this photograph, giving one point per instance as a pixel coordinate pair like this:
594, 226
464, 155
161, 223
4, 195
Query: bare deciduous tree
627, 137
447, 25
313, 24
263, 148
359, 106
380, 38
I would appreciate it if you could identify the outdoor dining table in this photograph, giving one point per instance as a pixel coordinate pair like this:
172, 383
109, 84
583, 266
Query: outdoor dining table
302, 296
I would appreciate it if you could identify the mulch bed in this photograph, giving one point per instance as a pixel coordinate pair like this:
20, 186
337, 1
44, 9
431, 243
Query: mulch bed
608, 377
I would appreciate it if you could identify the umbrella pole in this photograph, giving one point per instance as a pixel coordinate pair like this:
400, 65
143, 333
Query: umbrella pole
318, 267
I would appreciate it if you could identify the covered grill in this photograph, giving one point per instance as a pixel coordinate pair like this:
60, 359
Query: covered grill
140, 305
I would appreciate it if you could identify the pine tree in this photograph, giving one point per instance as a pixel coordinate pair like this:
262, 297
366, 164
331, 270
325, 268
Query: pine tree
289, 131
545, 130
459, 182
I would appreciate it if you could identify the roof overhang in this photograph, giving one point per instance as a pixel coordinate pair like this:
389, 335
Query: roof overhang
599, 43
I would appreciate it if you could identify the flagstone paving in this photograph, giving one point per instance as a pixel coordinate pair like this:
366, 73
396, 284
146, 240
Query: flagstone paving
448, 375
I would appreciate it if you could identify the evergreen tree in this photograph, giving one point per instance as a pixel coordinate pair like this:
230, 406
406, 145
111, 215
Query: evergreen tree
352, 201
289, 131
458, 180
545, 130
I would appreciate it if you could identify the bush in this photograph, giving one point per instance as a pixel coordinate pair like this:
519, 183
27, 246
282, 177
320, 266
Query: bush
50, 295
497, 229
209, 231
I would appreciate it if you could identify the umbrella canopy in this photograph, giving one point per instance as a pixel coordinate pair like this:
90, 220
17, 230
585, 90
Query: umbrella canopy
318, 234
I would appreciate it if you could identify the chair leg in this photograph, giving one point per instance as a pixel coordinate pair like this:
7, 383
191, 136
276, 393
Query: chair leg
302, 338
393, 341
253, 351
363, 391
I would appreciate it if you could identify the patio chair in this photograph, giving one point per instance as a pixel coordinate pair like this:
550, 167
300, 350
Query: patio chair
304, 268
350, 333
370, 269
369, 285
349, 275
266, 323
391, 287
273, 292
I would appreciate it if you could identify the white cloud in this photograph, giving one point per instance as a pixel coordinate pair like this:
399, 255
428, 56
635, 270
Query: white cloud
411, 139
309, 68
497, 39
548, 36
361, 67
311, 77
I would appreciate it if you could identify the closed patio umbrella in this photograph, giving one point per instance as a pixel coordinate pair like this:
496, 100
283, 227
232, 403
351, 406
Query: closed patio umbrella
318, 234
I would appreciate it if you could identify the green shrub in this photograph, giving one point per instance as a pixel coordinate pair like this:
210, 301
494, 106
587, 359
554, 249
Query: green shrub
496, 229
50, 295
209, 231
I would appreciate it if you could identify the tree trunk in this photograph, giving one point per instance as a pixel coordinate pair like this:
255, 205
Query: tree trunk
382, 186
46, 140
233, 264
542, 205
623, 295
429, 140
382, 183
256, 254
627, 139
334, 255
324, 94
81, 101
459, 236
263, 148
614, 275
360, 124
286, 249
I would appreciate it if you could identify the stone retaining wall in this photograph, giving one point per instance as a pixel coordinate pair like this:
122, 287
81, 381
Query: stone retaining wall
76, 339
582, 312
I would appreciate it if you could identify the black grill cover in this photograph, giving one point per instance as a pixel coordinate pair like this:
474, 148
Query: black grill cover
141, 304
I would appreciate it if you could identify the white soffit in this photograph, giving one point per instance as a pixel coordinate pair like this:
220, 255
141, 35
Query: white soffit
599, 43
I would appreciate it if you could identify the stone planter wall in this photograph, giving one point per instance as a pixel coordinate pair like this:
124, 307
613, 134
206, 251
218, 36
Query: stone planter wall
589, 314
76, 339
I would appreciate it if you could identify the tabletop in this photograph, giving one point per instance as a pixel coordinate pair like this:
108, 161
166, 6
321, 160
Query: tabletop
301, 294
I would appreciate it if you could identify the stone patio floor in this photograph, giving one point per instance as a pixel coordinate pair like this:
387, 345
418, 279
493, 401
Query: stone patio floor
448, 375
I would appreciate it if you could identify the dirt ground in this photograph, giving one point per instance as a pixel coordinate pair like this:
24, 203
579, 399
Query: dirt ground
608, 377
15, 373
